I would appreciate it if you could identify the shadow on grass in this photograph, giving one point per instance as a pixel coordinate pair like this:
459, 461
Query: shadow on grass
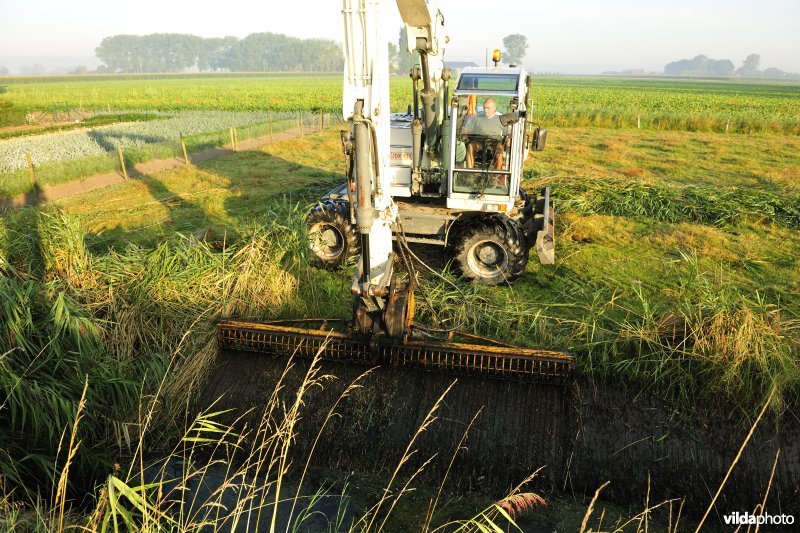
108, 140
21, 235
217, 199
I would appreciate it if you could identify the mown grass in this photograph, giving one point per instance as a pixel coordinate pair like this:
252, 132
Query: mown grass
652, 282
762, 162
214, 199
672, 203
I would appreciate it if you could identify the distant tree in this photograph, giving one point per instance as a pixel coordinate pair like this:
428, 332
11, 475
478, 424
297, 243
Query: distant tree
80, 69
700, 66
405, 59
265, 52
120, 53
393, 59
4, 71
33, 70
173, 52
159, 52
773, 72
721, 67
516, 47
677, 68
214, 54
749, 66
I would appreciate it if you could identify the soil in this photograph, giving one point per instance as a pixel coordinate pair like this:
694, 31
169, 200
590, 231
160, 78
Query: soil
581, 435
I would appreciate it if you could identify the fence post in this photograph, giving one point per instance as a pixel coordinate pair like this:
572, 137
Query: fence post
270, 126
183, 147
321, 120
638, 120
235, 139
727, 125
33, 176
233, 145
122, 162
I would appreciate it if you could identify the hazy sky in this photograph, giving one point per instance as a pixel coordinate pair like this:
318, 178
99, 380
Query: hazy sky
569, 36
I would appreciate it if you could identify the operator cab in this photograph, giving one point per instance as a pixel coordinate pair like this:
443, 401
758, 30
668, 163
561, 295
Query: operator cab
486, 147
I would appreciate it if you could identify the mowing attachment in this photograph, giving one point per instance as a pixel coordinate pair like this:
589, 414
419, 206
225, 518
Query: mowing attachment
482, 357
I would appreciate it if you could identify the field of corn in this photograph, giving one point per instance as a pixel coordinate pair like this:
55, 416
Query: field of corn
676, 271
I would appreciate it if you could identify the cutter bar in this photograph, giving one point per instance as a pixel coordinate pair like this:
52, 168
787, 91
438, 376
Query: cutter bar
492, 361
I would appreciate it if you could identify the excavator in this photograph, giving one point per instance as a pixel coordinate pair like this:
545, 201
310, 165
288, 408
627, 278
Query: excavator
443, 173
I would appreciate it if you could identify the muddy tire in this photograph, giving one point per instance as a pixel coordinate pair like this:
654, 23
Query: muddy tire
491, 251
332, 239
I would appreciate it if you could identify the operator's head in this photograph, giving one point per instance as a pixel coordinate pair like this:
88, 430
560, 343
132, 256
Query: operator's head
489, 106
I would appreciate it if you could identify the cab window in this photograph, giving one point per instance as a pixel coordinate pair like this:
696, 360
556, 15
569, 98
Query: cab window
482, 145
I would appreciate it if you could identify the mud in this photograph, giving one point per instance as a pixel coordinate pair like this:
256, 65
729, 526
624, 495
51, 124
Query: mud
580, 436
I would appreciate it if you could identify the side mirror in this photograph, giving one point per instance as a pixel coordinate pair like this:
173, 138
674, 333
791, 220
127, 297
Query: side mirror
539, 138
509, 118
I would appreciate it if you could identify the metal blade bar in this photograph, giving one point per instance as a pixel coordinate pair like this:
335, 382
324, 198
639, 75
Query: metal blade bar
503, 362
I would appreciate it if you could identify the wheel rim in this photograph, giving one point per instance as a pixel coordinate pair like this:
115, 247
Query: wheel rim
488, 259
326, 241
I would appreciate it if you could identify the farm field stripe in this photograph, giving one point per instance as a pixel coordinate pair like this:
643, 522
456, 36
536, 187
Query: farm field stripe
50, 193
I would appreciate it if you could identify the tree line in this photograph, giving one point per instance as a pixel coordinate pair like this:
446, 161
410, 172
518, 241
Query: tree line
258, 52
705, 66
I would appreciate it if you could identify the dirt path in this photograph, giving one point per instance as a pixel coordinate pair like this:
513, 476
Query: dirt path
48, 193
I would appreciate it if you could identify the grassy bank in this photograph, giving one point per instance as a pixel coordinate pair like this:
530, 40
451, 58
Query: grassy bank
691, 294
666, 280
102, 353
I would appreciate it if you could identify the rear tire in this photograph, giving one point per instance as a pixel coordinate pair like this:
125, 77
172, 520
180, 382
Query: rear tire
332, 239
491, 251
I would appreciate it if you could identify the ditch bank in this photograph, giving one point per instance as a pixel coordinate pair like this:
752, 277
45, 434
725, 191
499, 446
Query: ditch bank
579, 436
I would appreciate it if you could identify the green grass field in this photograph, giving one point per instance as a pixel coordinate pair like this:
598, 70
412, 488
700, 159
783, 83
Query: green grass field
562, 101
676, 264
612, 103
637, 255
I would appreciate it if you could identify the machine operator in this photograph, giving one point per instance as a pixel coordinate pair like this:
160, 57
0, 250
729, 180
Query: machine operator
482, 127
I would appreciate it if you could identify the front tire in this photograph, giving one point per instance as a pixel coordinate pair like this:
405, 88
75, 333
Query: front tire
332, 239
491, 251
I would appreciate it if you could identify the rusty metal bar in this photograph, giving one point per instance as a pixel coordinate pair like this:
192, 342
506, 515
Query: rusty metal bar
505, 362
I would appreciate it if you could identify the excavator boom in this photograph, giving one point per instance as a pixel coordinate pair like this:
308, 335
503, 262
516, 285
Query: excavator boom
381, 329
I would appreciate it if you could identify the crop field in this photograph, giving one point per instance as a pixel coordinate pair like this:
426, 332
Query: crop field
203, 108
606, 102
73, 151
678, 237
73, 145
